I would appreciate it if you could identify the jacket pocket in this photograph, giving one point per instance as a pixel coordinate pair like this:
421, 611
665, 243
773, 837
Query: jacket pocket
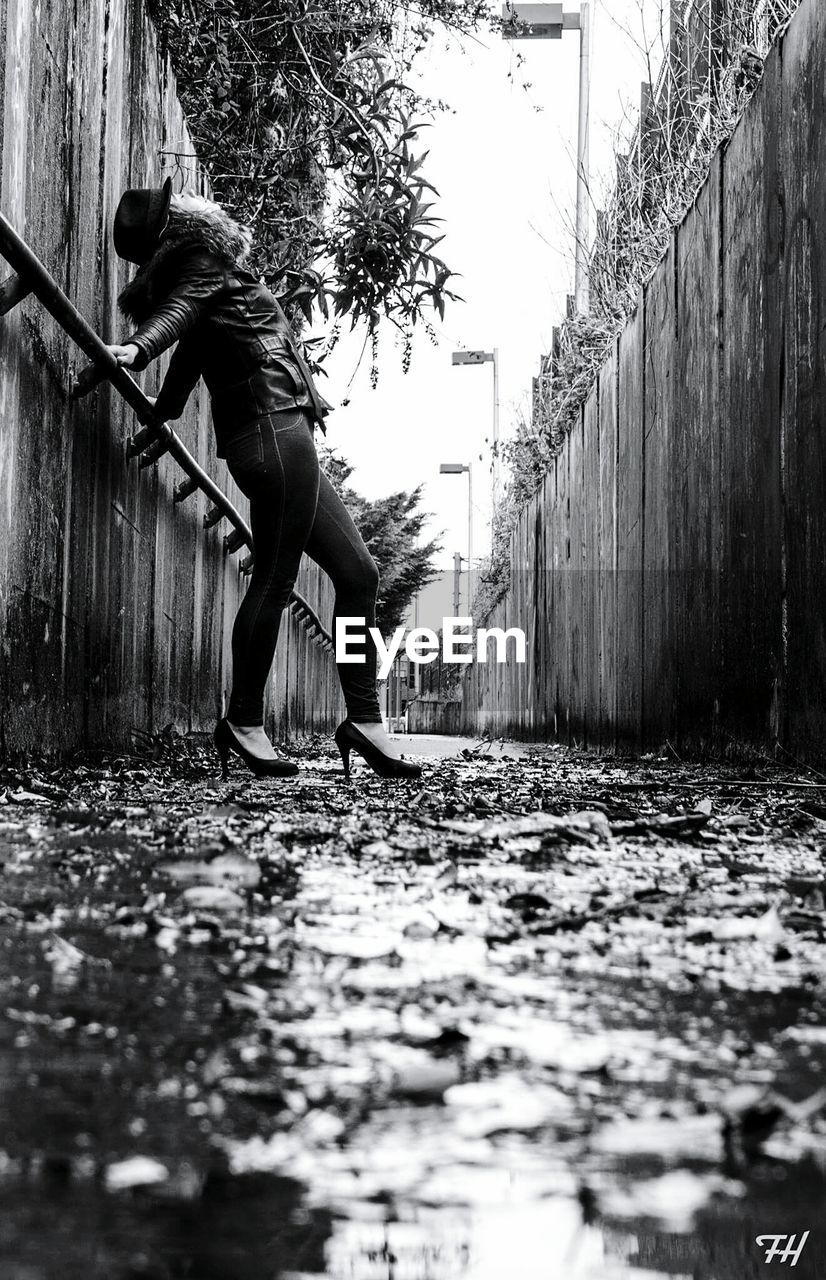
280, 363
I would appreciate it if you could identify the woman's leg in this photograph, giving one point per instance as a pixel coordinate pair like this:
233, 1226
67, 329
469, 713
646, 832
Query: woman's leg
276, 466
337, 546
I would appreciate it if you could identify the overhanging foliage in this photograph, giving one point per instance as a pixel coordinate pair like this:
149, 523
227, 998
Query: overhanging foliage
300, 114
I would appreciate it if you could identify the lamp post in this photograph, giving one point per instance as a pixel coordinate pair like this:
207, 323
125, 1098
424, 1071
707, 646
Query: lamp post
547, 22
456, 469
485, 357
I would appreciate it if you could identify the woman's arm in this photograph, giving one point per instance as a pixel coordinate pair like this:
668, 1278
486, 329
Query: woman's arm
183, 372
199, 280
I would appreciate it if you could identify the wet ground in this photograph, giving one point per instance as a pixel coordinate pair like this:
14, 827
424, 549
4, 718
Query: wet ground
538, 1016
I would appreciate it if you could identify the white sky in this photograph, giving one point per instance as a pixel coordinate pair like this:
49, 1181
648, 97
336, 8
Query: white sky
504, 163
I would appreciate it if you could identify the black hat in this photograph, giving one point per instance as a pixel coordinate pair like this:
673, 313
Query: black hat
139, 220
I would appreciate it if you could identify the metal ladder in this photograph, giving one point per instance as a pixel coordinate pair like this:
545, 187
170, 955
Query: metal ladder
155, 438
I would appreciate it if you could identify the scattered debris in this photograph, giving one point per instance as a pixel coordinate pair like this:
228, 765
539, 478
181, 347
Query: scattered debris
565, 985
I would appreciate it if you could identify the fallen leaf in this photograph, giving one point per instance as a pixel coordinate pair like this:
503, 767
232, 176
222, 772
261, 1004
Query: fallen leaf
421, 925
25, 797
379, 849
137, 1171
527, 902
355, 946
765, 928
672, 1200
675, 826
228, 869
207, 897
692, 1137
64, 957
427, 1079
508, 1103
589, 825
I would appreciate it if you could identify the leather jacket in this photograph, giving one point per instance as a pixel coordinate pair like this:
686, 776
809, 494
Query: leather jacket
231, 331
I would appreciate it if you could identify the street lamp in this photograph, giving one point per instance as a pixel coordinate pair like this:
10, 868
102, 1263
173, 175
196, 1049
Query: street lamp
456, 469
547, 22
485, 357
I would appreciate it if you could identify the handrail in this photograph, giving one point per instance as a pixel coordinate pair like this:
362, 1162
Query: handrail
34, 278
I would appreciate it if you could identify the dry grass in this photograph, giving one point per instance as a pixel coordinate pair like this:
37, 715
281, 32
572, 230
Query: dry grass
658, 180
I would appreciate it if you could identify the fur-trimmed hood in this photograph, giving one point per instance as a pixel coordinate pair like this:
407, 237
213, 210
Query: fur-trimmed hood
193, 221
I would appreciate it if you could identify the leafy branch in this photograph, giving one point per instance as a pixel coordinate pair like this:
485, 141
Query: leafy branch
302, 116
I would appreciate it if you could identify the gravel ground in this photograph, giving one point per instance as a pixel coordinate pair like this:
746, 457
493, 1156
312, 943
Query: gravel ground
539, 1015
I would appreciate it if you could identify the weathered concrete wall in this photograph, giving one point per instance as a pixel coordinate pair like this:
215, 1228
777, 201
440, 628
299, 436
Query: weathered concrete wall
671, 570
115, 606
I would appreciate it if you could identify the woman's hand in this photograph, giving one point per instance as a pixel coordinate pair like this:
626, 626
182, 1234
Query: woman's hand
124, 355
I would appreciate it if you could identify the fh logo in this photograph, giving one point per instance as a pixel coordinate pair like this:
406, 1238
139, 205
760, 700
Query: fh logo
775, 1250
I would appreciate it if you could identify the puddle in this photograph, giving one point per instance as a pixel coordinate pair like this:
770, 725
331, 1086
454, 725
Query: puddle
334, 1037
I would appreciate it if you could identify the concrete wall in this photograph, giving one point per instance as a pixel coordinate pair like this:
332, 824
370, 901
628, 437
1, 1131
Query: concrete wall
671, 569
115, 606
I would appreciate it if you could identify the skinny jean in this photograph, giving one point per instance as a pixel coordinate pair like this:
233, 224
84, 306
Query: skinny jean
295, 509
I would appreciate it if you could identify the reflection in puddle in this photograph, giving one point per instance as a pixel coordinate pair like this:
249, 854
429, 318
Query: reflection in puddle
541, 1241
397, 1064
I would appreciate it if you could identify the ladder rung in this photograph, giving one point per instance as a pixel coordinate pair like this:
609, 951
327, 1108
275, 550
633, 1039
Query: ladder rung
213, 516
235, 541
87, 379
140, 441
12, 290
151, 455
184, 489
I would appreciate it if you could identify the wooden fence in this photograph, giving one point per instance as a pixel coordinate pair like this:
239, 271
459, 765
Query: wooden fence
671, 570
115, 606
431, 715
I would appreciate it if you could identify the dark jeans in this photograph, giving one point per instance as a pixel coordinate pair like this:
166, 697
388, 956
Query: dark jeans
294, 509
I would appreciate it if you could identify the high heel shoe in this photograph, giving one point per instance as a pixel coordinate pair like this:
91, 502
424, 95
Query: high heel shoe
226, 741
348, 737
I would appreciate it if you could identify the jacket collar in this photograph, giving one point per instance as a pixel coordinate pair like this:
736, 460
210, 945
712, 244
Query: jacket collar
211, 229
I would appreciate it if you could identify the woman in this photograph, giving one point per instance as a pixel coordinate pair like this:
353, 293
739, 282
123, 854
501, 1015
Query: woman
193, 289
